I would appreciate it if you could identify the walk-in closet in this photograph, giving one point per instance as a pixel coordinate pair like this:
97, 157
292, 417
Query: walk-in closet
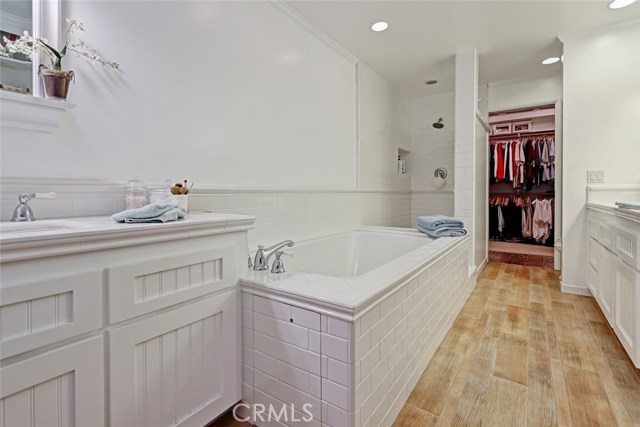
522, 153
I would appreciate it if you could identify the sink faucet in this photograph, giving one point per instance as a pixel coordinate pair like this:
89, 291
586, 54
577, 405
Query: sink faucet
23, 211
261, 260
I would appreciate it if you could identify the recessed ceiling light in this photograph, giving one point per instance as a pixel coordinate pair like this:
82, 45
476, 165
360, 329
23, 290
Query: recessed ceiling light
430, 82
379, 26
551, 60
619, 4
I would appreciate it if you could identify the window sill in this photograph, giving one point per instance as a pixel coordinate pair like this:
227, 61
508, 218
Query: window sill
30, 113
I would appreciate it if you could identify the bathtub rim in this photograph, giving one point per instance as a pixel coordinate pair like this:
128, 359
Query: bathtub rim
264, 284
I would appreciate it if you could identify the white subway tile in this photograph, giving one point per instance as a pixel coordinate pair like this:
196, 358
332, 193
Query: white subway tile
306, 318
306, 360
370, 360
269, 307
334, 347
336, 394
314, 341
339, 372
339, 328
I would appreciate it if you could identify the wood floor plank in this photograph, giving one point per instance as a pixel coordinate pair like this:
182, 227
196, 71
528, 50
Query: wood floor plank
511, 358
628, 385
537, 316
560, 394
588, 402
517, 321
541, 407
448, 412
506, 404
411, 416
608, 343
433, 387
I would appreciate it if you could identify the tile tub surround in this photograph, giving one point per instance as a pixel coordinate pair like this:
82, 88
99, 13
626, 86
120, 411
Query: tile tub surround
360, 360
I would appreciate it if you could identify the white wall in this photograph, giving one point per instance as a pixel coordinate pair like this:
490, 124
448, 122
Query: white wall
513, 94
225, 93
601, 97
160, 117
431, 148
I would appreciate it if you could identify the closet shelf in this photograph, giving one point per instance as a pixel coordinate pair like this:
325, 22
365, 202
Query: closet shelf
523, 134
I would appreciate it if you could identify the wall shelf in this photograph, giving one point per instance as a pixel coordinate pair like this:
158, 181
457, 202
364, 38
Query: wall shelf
30, 113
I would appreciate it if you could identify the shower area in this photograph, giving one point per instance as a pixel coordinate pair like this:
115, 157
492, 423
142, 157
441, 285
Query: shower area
431, 161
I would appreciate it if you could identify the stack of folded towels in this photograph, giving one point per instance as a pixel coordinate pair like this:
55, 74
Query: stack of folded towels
440, 225
155, 212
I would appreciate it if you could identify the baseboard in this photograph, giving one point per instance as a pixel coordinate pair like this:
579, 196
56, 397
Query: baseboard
577, 290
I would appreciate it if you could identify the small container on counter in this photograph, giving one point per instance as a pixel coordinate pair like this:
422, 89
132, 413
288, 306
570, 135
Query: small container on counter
164, 196
135, 194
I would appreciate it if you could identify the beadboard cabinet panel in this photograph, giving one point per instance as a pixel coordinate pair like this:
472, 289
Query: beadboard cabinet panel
61, 388
142, 287
627, 320
176, 368
36, 314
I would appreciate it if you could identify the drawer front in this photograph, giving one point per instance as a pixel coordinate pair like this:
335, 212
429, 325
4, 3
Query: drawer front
626, 246
151, 285
606, 233
593, 252
606, 262
594, 230
41, 313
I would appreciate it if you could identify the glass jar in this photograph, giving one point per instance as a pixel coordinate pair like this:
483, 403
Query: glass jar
135, 194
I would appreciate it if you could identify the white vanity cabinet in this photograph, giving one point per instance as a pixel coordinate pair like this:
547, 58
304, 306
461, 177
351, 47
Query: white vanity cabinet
614, 273
132, 329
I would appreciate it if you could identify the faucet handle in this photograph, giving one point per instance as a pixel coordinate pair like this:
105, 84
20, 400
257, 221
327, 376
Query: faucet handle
278, 265
50, 195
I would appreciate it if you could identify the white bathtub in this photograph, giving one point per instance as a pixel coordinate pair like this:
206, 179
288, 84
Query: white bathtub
353, 253
351, 325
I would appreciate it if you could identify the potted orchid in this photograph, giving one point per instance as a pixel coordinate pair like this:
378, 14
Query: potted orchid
55, 79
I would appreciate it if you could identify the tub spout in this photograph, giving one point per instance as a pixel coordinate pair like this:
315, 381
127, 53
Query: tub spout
261, 260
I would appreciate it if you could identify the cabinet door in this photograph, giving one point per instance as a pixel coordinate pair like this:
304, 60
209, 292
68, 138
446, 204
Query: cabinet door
63, 388
627, 313
606, 261
176, 368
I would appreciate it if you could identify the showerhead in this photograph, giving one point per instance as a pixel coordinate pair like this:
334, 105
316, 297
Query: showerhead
438, 124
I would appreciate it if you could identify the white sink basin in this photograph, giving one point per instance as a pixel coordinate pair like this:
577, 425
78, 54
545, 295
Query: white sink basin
44, 226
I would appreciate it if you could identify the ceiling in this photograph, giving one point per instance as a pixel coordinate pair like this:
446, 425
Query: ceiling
511, 36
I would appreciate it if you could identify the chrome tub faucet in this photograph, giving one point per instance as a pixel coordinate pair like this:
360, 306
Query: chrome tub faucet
261, 260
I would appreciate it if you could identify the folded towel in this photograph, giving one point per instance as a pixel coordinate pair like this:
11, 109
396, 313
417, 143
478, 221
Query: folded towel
432, 222
628, 205
443, 231
155, 212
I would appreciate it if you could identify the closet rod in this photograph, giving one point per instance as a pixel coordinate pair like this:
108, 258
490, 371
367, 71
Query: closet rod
524, 134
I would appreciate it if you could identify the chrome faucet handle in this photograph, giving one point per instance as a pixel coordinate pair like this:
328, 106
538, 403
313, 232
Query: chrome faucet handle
278, 265
261, 260
23, 211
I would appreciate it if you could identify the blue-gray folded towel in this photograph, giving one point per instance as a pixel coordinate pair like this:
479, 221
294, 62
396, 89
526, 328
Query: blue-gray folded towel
443, 231
628, 205
155, 212
433, 222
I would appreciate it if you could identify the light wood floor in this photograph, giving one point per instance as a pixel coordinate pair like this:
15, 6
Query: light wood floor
521, 353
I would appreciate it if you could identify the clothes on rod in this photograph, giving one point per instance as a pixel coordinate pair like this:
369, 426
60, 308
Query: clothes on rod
524, 161
521, 219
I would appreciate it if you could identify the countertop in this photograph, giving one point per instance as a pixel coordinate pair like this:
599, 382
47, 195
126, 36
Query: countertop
632, 214
69, 235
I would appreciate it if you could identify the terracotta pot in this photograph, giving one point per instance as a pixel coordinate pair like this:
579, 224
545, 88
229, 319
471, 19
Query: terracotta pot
56, 83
